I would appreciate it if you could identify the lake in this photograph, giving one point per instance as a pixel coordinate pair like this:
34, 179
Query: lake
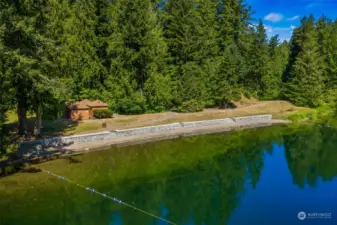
259, 176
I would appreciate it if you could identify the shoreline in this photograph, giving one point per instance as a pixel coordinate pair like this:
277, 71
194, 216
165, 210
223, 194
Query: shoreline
77, 149
34, 152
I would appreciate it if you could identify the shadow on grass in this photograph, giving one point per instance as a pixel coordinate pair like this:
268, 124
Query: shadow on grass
49, 129
58, 128
34, 153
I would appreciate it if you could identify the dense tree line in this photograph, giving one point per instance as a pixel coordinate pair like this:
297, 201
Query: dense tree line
154, 55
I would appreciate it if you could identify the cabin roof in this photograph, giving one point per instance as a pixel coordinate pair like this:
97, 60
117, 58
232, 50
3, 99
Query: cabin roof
87, 104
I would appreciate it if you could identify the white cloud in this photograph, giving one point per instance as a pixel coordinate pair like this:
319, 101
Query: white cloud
294, 17
292, 27
284, 33
274, 17
251, 25
268, 29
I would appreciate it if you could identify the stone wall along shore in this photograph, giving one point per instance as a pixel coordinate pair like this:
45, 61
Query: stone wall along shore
252, 118
150, 129
207, 122
68, 140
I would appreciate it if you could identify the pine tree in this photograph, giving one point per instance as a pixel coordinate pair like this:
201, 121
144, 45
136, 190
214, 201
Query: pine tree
259, 74
102, 30
181, 27
227, 19
225, 81
234, 18
192, 39
137, 51
307, 82
284, 54
331, 58
78, 50
328, 52
17, 49
278, 59
6, 96
32, 70
232, 22
294, 46
324, 28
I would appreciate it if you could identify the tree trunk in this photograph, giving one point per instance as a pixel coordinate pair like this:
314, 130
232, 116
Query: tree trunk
2, 148
22, 116
38, 122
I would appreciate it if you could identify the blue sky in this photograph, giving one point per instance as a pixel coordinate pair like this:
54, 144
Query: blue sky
281, 16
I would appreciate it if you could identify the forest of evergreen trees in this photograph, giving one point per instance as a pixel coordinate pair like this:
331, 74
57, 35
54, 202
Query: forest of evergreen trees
155, 55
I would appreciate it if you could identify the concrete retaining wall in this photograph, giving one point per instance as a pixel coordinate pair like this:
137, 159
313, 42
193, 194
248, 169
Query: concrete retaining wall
67, 140
224, 129
39, 144
207, 123
88, 137
142, 130
250, 118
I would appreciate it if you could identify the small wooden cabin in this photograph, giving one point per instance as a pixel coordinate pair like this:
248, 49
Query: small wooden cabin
84, 110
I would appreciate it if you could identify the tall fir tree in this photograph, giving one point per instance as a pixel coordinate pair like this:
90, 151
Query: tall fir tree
28, 48
307, 80
78, 50
232, 19
278, 59
192, 39
6, 96
137, 51
259, 74
331, 58
324, 29
328, 52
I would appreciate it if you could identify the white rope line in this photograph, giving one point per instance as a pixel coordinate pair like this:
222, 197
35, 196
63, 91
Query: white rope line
106, 196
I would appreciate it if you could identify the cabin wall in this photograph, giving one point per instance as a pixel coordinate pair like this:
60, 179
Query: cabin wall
80, 114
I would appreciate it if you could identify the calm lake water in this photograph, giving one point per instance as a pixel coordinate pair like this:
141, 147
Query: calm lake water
263, 176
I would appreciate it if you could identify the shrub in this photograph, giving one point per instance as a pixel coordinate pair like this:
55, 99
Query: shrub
103, 113
157, 109
304, 115
191, 106
131, 106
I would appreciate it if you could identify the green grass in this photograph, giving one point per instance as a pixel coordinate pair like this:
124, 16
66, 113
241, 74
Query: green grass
322, 115
68, 127
83, 127
52, 128
302, 115
12, 116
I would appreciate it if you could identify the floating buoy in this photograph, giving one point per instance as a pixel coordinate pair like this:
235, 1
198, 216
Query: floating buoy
113, 199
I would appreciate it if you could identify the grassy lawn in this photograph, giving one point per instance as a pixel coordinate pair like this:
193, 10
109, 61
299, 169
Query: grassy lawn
12, 117
53, 128
321, 115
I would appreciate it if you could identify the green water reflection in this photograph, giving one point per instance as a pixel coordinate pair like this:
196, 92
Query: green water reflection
192, 180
